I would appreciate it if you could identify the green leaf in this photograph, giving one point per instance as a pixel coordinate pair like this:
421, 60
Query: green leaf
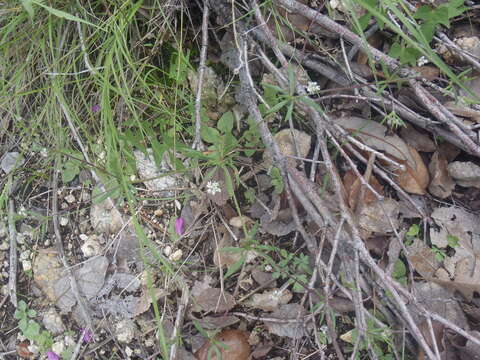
399, 270
63, 14
225, 124
423, 12
22, 305
235, 267
27, 5
210, 135
291, 79
32, 331
22, 324
428, 30
298, 284
276, 107
69, 171
277, 180
32, 313
18, 314
250, 196
228, 182
364, 20
414, 230
452, 240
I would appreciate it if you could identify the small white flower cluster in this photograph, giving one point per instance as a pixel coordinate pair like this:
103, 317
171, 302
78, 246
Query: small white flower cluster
213, 187
313, 87
422, 61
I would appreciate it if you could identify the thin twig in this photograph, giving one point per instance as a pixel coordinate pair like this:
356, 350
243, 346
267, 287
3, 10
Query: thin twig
197, 142
179, 320
13, 265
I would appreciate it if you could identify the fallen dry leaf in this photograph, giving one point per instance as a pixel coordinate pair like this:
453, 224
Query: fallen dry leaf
379, 217
352, 185
217, 322
414, 178
416, 139
436, 299
449, 151
294, 330
438, 332
215, 300
90, 279
223, 256
227, 253
441, 184
467, 276
463, 111
199, 286
288, 142
428, 72
457, 225
231, 344
422, 258
269, 300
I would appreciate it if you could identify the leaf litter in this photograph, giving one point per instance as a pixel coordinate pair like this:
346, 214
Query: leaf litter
243, 273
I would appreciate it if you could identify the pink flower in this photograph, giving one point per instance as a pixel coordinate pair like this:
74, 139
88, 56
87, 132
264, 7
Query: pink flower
52, 356
179, 223
95, 108
87, 335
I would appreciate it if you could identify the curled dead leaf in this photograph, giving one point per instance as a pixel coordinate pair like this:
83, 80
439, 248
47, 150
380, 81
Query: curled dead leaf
353, 185
414, 178
230, 344
441, 184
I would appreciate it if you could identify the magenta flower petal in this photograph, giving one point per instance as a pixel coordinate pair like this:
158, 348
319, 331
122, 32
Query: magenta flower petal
52, 356
179, 223
95, 108
87, 335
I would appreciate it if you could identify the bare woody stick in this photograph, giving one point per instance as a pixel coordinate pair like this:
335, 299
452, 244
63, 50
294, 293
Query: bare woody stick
12, 271
435, 108
197, 142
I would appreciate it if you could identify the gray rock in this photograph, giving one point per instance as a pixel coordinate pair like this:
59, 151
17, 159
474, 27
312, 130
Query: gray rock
465, 173
125, 331
160, 181
3, 229
11, 161
105, 218
53, 322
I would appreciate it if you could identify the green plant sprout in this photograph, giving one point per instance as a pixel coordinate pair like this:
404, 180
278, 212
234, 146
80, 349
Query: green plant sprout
31, 329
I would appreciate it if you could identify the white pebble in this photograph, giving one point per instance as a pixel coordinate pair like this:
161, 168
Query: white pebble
177, 255
63, 221
128, 351
70, 199
26, 265
167, 251
58, 347
91, 247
